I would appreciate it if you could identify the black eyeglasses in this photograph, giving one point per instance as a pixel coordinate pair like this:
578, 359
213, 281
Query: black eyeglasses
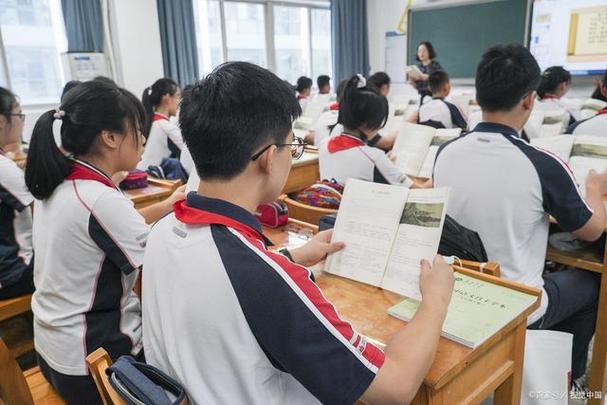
21, 116
297, 148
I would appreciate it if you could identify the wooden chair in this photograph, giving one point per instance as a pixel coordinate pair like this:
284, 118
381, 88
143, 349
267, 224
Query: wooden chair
98, 362
304, 212
491, 268
26, 388
15, 306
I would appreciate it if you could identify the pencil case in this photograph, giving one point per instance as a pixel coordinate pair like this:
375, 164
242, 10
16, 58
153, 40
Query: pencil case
273, 215
135, 179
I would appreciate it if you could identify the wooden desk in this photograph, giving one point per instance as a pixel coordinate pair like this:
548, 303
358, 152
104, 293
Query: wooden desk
459, 374
156, 191
304, 172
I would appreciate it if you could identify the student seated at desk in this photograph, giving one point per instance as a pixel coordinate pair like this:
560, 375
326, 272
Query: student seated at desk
362, 113
324, 84
16, 257
163, 137
381, 81
596, 125
303, 88
236, 323
437, 112
325, 125
505, 189
88, 238
554, 84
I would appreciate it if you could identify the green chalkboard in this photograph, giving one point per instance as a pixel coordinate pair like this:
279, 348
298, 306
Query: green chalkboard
461, 33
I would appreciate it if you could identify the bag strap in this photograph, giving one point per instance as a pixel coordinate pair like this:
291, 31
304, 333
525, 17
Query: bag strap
136, 383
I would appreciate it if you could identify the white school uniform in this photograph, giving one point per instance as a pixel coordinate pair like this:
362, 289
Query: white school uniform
164, 141
595, 126
440, 111
89, 243
551, 103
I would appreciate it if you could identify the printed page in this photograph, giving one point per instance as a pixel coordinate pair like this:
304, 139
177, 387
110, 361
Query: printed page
588, 152
367, 222
442, 136
417, 238
411, 147
559, 145
477, 310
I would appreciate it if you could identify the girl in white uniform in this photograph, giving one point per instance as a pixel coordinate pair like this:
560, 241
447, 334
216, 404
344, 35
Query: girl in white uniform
163, 137
555, 84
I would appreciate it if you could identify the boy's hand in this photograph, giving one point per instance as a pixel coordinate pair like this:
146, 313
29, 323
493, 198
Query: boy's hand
178, 195
316, 249
436, 282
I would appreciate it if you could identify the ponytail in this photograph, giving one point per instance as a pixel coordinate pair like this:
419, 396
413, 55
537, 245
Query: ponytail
47, 166
88, 109
362, 105
551, 79
152, 97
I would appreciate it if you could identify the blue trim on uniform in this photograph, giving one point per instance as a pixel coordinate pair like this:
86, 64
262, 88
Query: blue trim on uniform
12, 266
571, 128
492, 127
378, 177
109, 247
224, 208
286, 329
456, 116
560, 194
175, 151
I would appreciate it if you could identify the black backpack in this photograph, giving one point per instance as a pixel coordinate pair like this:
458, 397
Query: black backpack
457, 240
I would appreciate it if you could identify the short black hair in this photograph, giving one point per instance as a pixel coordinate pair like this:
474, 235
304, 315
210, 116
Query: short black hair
362, 106
322, 81
68, 86
233, 112
504, 76
429, 47
379, 79
8, 101
596, 94
551, 79
303, 83
437, 80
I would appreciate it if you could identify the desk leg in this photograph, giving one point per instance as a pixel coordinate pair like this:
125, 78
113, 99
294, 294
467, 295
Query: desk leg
599, 351
509, 392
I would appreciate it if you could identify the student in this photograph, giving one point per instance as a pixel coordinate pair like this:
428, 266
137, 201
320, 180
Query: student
427, 65
554, 84
237, 323
161, 101
596, 125
599, 93
324, 84
87, 236
16, 262
325, 125
439, 113
505, 189
304, 88
362, 113
381, 81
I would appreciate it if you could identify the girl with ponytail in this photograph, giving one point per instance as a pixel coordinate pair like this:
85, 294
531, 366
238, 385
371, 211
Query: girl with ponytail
161, 102
363, 111
16, 263
88, 238
554, 84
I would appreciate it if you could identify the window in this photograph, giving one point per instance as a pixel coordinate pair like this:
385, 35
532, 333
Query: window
32, 39
292, 38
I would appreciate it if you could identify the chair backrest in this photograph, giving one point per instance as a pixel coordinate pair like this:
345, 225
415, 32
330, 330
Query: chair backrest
491, 268
98, 362
15, 306
13, 386
306, 213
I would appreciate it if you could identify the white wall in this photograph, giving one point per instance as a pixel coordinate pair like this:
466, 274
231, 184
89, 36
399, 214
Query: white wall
382, 16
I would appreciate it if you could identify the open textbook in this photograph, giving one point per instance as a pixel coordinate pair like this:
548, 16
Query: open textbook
416, 147
478, 309
413, 72
387, 231
582, 152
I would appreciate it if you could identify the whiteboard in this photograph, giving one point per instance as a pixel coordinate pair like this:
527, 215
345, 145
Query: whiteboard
396, 56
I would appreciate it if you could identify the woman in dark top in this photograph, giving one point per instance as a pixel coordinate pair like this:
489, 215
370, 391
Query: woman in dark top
427, 65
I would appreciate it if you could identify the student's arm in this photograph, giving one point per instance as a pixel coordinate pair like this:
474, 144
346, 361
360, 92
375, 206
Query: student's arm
154, 212
384, 170
596, 188
410, 353
385, 141
316, 249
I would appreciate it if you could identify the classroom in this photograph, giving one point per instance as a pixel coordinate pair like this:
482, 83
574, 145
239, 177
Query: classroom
303, 202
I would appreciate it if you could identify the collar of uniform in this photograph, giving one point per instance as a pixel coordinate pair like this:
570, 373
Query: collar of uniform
549, 97
438, 98
82, 170
334, 107
603, 111
495, 128
344, 142
157, 117
197, 209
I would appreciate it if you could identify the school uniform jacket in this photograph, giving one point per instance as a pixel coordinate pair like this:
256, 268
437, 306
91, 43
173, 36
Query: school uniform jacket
347, 156
15, 222
551, 103
89, 243
440, 111
164, 141
239, 324
595, 126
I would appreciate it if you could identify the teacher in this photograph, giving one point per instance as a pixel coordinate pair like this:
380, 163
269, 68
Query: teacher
427, 65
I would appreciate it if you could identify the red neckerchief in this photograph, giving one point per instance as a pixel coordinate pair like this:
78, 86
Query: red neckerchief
195, 216
603, 111
85, 171
549, 97
344, 142
334, 107
159, 117
300, 97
